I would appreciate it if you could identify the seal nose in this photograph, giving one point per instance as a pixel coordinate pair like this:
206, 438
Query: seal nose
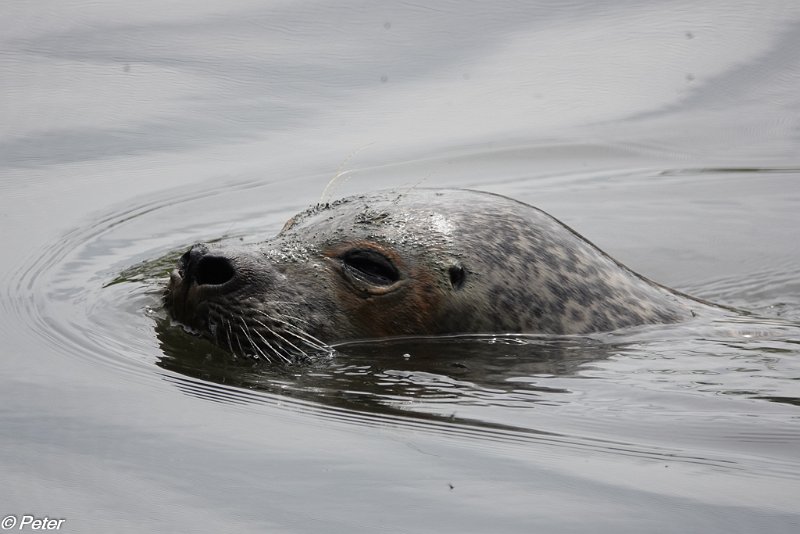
206, 269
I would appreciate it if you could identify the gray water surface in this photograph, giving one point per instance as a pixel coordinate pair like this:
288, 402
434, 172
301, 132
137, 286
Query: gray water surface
667, 133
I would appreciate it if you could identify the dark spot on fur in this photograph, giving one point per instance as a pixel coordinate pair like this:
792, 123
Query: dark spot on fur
577, 315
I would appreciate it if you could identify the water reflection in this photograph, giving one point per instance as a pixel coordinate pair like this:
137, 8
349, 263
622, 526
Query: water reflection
443, 375
500, 371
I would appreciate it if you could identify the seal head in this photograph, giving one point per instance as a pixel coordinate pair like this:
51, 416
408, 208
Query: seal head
411, 263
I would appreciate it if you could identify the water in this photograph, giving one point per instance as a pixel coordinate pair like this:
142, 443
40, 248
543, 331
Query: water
666, 133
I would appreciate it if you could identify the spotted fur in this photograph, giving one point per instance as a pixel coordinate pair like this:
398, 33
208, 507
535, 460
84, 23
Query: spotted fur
521, 271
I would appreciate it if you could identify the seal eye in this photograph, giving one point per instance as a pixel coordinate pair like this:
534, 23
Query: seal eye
370, 266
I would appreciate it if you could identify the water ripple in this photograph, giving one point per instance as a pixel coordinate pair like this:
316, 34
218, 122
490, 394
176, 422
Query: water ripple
696, 393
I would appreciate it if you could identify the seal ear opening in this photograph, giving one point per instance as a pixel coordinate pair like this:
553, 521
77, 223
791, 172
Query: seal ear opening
457, 276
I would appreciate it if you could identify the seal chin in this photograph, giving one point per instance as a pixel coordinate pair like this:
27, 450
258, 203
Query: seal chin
187, 301
176, 299
175, 280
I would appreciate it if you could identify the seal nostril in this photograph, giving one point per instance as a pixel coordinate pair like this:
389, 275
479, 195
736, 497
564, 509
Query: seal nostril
214, 270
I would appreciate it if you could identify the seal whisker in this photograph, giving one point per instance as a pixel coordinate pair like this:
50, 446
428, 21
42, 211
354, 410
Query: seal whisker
246, 332
241, 349
305, 337
273, 349
297, 333
295, 347
226, 321
276, 349
295, 328
230, 334
298, 319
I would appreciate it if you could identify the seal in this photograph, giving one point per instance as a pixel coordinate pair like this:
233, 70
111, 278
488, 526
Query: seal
421, 262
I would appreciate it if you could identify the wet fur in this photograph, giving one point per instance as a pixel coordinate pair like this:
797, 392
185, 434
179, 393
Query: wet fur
525, 272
